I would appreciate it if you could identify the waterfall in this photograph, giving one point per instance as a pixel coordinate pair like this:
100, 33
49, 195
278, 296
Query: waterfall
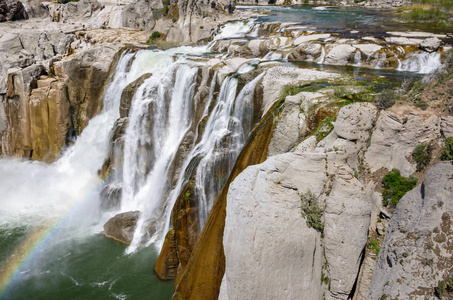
421, 62
228, 126
160, 116
380, 60
271, 55
33, 192
357, 58
323, 55
235, 29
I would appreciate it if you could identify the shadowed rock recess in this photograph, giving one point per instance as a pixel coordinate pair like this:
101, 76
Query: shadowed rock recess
248, 153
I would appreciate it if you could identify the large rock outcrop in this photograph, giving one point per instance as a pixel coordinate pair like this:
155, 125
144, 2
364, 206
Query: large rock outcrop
264, 209
395, 137
45, 112
418, 246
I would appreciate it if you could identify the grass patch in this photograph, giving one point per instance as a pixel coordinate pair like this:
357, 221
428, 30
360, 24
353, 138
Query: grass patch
437, 13
396, 186
324, 128
373, 245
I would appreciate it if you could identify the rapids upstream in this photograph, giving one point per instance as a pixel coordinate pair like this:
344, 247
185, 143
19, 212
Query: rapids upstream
51, 214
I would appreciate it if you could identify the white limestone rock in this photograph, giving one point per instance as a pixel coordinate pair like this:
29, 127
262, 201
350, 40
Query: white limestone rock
395, 137
430, 44
417, 249
341, 54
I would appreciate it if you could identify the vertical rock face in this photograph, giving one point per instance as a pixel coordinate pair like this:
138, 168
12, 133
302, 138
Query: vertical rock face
418, 247
269, 250
45, 112
195, 15
167, 264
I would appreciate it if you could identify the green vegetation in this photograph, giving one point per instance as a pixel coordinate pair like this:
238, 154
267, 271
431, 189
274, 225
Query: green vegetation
386, 98
444, 288
396, 186
166, 4
186, 196
311, 211
325, 127
289, 90
154, 36
437, 13
446, 153
422, 155
373, 245
324, 278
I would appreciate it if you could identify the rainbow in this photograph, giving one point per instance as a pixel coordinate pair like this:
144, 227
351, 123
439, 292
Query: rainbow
26, 252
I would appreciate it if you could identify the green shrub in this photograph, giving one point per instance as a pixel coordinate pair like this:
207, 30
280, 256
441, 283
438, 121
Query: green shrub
311, 211
441, 288
385, 99
154, 36
422, 155
396, 186
446, 153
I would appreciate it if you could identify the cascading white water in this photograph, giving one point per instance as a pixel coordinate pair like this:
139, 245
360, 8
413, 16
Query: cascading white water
357, 58
421, 62
160, 116
229, 124
235, 29
380, 59
323, 55
33, 192
271, 55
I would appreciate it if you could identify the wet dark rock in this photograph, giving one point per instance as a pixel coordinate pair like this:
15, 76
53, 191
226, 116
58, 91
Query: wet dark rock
12, 10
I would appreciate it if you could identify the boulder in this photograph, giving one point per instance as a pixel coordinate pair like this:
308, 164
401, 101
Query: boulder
12, 10
122, 226
278, 77
418, 245
430, 44
341, 54
395, 137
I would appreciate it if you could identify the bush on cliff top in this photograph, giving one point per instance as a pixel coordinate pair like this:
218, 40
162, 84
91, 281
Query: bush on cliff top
154, 36
396, 186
